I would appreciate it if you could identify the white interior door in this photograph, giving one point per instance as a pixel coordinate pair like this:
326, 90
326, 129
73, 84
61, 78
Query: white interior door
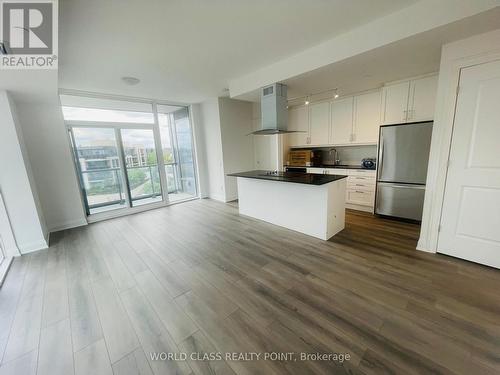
470, 219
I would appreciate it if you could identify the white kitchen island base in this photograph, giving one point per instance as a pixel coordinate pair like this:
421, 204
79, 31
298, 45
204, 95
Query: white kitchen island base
315, 210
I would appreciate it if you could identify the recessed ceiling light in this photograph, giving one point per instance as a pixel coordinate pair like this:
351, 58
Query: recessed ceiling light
131, 80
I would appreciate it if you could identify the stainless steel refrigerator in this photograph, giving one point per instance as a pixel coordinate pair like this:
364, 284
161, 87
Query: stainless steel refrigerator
403, 156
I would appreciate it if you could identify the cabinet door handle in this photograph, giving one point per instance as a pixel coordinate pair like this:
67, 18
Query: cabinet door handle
361, 192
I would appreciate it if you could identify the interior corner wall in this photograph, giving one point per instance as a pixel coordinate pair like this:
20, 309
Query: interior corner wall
209, 150
18, 190
237, 144
27, 164
199, 149
52, 164
223, 145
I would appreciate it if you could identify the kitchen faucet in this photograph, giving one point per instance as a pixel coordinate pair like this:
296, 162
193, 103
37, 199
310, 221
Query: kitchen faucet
335, 157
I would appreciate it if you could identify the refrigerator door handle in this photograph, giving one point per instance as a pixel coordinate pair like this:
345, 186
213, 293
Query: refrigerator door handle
405, 186
380, 155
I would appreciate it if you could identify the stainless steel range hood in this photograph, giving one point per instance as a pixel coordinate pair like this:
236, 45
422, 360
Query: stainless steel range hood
273, 110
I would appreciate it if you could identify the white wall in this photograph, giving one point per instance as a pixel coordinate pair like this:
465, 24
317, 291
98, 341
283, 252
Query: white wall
51, 160
19, 193
454, 56
237, 144
199, 149
210, 150
223, 145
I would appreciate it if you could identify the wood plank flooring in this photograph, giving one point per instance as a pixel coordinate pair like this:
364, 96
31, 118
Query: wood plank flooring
199, 278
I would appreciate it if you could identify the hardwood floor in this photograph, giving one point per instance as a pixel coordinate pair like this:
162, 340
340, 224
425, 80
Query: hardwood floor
199, 278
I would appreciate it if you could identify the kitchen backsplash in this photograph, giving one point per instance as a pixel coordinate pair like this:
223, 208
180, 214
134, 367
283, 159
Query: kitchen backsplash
349, 155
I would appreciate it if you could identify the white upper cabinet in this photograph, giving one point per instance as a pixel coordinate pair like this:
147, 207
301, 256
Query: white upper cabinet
319, 123
356, 119
342, 117
366, 117
409, 101
298, 120
422, 99
395, 103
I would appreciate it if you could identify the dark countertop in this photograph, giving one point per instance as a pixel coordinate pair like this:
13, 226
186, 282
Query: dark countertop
338, 166
295, 177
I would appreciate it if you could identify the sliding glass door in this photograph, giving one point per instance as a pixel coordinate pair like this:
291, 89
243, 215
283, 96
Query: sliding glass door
141, 164
98, 161
117, 165
130, 154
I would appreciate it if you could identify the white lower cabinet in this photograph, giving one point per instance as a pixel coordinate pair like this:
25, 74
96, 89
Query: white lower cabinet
360, 197
319, 170
360, 192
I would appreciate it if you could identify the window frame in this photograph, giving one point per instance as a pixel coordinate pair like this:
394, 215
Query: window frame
130, 209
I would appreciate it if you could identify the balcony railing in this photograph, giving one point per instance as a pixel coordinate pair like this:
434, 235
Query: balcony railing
108, 189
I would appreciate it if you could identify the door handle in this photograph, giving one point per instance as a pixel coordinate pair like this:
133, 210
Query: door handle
410, 186
380, 155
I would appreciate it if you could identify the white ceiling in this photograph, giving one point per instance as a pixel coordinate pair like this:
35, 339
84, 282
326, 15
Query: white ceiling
188, 50
30, 86
416, 55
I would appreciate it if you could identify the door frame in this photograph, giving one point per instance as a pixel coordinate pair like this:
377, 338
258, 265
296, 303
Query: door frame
124, 175
129, 210
478, 51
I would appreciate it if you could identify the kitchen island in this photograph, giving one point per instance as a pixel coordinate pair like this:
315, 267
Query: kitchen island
313, 204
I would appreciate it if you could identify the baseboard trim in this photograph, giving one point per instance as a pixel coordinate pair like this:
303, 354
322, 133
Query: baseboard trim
68, 225
217, 198
359, 207
33, 246
4, 268
424, 248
